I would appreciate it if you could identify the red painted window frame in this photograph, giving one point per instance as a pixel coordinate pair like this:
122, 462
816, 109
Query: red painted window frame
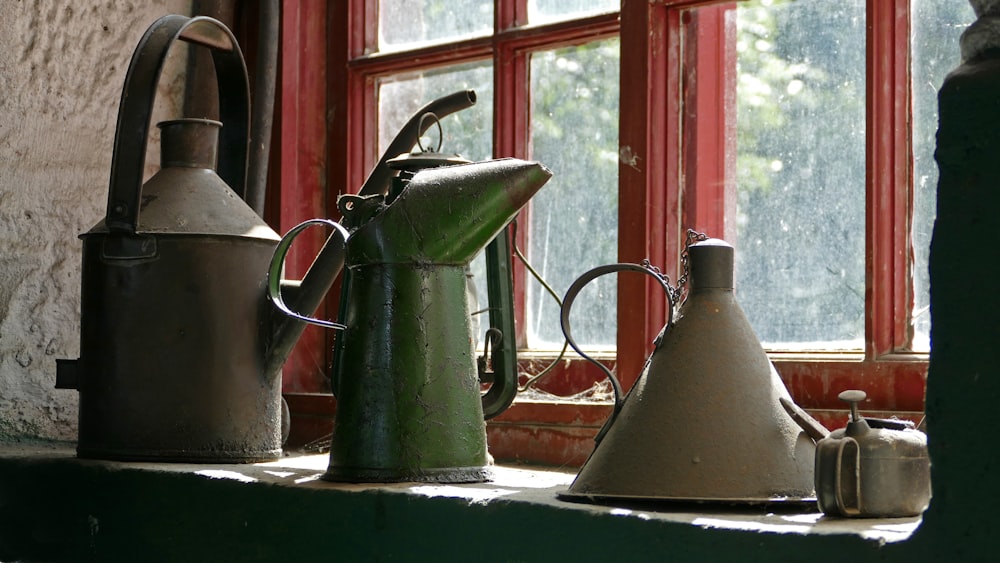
667, 116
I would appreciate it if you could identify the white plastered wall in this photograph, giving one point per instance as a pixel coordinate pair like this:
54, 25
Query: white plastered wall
62, 66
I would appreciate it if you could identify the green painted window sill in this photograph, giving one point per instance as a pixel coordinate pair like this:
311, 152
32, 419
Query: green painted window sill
54, 506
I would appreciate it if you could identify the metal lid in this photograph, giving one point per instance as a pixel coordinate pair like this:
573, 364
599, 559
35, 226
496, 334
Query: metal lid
413, 162
711, 263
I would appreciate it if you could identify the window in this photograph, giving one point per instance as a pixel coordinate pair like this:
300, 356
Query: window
801, 131
801, 172
827, 183
547, 90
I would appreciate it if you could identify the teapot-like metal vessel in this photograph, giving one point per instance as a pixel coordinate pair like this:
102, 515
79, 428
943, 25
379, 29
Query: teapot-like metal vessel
872, 467
180, 353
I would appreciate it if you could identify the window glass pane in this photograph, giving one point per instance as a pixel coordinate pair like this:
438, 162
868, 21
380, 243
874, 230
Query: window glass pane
406, 23
573, 219
936, 27
546, 11
800, 271
467, 132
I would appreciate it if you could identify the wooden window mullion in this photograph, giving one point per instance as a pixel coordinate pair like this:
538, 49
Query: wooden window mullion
888, 297
709, 121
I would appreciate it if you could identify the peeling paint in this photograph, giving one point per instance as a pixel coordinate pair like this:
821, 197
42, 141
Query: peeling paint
629, 158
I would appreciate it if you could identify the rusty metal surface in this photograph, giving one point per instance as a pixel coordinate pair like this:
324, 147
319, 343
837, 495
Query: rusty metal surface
184, 198
408, 403
880, 469
137, 101
447, 215
171, 353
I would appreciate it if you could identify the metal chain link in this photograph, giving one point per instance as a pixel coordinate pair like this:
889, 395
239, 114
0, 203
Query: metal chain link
677, 292
693, 236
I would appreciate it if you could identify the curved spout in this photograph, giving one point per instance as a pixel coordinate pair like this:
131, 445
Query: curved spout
447, 215
380, 176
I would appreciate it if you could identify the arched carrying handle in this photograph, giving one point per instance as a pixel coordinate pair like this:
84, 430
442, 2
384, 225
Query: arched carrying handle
136, 108
278, 264
574, 290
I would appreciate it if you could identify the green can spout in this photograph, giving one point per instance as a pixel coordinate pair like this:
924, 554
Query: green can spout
447, 215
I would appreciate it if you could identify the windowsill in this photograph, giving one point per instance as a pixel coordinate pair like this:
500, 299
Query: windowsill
518, 488
543, 431
539, 486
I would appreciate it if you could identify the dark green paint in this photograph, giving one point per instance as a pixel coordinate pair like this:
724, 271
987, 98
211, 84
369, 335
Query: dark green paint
409, 405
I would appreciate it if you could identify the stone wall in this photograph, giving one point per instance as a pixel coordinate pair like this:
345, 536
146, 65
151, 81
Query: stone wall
61, 74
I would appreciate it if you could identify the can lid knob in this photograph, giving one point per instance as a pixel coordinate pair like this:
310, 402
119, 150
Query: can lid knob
853, 396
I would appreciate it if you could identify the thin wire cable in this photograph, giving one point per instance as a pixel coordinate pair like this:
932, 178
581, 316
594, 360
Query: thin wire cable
548, 288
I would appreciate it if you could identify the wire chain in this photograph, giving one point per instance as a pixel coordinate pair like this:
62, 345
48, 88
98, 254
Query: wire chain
693, 236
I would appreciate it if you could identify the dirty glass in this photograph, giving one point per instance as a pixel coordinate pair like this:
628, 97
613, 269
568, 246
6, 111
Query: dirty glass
403, 24
800, 223
547, 11
935, 29
573, 219
467, 132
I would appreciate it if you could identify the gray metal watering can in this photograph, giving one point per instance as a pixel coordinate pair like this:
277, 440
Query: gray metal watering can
180, 353
704, 421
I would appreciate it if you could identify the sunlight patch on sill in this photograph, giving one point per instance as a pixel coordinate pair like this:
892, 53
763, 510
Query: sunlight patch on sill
750, 525
891, 532
308, 478
225, 474
880, 530
474, 495
629, 512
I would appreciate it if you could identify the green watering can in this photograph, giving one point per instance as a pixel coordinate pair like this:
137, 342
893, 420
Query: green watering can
409, 399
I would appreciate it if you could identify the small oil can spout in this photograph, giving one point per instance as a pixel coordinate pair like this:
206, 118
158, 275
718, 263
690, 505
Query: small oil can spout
812, 427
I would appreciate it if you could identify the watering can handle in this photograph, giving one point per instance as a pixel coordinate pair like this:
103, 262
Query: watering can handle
567, 304
847, 486
136, 108
278, 263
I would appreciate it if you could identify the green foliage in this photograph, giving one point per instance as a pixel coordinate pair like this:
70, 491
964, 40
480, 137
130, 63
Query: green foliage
574, 124
801, 162
770, 89
801, 169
